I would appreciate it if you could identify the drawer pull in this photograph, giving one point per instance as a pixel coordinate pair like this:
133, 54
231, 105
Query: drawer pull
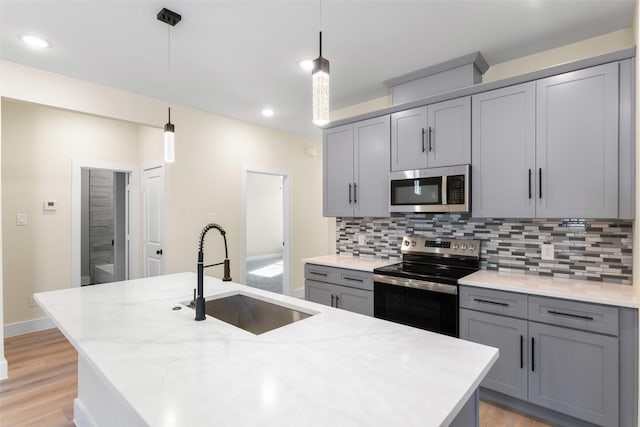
318, 274
504, 304
353, 280
337, 300
577, 316
332, 297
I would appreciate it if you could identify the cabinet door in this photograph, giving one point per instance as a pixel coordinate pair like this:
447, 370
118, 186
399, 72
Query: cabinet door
337, 160
577, 144
355, 300
503, 164
449, 133
371, 167
574, 372
509, 374
320, 292
408, 139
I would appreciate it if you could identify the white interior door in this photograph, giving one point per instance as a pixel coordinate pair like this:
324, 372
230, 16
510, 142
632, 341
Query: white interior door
153, 221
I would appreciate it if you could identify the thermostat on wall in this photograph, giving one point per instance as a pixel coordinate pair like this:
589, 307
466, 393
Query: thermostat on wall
49, 206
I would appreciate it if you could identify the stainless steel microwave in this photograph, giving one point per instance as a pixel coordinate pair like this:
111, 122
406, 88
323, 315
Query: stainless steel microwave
445, 189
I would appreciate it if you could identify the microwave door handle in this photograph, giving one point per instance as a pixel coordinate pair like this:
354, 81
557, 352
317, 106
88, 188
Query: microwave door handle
444, 190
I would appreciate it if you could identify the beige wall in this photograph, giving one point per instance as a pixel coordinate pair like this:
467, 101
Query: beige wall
3, 361
38, 146
264, 214
588, 48
210, 151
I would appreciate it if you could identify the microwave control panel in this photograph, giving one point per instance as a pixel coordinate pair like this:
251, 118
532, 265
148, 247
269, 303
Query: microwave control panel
455, 190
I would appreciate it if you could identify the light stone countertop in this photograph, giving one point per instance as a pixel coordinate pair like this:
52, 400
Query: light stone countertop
333, 368
578, 290
350, 262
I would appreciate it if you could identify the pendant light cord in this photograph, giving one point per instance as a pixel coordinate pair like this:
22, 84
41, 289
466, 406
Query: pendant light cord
168, 62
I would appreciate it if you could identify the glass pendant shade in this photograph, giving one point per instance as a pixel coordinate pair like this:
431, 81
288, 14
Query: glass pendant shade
320, 86
169, 141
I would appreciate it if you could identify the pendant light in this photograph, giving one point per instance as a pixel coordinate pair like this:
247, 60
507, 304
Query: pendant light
320, 85
170, 18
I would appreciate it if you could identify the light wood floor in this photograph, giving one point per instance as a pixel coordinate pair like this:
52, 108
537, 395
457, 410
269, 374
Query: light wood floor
43, 381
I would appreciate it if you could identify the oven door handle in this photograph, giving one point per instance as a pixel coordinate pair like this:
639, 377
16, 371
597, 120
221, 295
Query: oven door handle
418, 284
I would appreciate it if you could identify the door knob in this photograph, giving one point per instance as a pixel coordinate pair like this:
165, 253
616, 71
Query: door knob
159, 252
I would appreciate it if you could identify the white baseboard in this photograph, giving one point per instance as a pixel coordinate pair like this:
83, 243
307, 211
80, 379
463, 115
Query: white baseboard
298, 293
263, 257
4, 369
28, 326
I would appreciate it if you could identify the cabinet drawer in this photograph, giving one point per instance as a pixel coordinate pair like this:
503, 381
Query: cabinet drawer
355, 279
321, 273
579, 315
492, 301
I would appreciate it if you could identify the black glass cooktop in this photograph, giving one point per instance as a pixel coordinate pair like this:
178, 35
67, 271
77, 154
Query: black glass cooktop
436, 269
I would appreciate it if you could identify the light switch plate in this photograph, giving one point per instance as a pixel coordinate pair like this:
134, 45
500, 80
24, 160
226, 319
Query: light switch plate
362, 239
547, 251
21, 219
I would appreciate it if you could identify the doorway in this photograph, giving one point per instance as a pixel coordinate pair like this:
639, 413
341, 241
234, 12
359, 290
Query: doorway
265, 253
114, 246
104, 224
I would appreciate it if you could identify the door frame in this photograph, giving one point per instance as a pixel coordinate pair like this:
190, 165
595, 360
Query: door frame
287, 185
144, 168
76, 214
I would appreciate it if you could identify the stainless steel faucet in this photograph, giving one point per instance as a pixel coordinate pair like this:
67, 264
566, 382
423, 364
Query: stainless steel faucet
226, 275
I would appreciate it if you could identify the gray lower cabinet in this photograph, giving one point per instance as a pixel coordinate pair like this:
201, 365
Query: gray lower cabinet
349, 290
558, 358
432, 136
355, 169
509, 374
574, 372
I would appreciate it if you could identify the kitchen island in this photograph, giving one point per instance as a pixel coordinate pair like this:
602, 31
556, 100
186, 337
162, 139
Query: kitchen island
141, 362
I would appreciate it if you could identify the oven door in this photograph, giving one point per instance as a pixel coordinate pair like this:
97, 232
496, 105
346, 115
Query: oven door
424, 305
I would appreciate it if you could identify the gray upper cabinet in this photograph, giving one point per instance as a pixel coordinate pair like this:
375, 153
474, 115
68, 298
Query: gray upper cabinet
503, 147
449, 133
577, 144
356, 165
371, 166
432, 136
549, 148
408, 139
338, 171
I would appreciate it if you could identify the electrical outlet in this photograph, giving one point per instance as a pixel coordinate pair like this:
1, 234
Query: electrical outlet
21, 219
211, 217
547, 251
32, 301
362, 239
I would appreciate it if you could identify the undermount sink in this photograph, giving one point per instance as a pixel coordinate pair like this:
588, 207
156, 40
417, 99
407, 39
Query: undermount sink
251, 314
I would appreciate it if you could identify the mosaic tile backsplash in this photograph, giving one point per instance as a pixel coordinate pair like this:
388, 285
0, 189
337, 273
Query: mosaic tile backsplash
598, 250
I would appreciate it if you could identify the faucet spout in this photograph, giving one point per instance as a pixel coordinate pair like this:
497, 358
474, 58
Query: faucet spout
200, 268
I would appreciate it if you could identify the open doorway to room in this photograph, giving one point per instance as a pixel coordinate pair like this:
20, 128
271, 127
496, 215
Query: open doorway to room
102, 232
266, 225
104, 224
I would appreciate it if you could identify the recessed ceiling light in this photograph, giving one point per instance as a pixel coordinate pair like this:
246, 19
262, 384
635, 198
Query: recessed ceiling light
34, 42
268, 112
306, 64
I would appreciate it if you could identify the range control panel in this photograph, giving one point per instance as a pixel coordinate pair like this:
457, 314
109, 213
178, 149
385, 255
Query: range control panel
433, 245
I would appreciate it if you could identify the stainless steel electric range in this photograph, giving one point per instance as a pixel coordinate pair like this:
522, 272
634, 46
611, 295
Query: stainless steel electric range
422, 290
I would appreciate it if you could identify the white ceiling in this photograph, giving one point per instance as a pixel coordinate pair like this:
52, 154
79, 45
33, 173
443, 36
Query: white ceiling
236, 57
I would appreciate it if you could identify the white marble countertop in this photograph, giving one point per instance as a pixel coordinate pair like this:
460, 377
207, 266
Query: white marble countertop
350, 262
333, 368
578, 290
